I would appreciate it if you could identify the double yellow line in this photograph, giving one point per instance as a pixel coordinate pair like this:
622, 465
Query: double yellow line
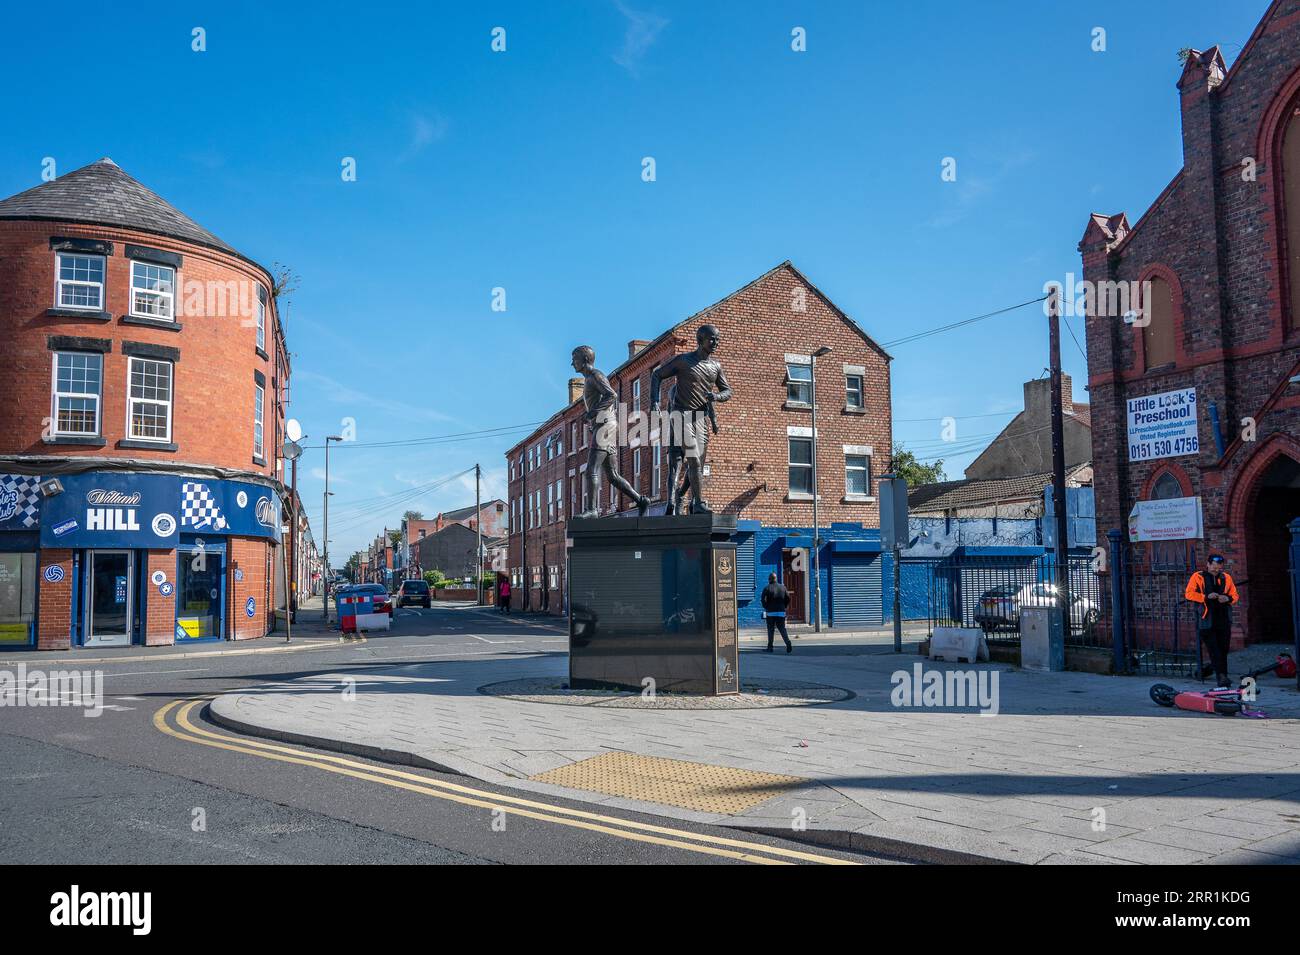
738, 849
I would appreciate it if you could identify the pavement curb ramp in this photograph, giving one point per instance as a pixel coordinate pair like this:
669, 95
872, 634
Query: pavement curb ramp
892, 849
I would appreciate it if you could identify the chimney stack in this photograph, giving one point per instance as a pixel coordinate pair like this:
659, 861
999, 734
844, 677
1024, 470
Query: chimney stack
575, 389
635, 345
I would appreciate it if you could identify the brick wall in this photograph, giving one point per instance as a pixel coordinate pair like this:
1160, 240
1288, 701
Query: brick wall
779, 313
54, 630
160, 611
212, 419
250, 556
1216, 236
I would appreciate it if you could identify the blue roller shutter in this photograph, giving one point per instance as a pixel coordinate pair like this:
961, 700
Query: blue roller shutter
744, 567
856, 591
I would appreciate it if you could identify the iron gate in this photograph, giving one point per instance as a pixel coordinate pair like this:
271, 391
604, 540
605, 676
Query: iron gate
1158, 622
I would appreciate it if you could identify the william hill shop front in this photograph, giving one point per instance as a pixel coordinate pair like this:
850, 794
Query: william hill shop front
115, 558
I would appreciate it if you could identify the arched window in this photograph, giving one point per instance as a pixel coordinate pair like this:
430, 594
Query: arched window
1158, 335
1291, 198
1168, 555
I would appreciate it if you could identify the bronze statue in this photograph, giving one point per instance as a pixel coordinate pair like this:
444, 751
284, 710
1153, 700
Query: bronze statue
600, 400
700, 384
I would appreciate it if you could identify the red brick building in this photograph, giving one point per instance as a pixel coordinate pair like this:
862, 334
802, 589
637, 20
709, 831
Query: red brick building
759, 464
1216, 260
141, 416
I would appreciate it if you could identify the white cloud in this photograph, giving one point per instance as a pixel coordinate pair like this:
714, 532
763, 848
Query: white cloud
643, 28
339, 393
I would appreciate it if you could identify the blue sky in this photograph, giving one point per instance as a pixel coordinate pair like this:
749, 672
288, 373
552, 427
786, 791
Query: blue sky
522, 170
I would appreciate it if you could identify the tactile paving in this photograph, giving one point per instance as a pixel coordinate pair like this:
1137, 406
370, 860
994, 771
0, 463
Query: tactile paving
671, 782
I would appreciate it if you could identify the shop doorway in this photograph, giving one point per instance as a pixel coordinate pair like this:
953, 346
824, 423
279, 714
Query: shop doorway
794, 576
201, 599
110, 590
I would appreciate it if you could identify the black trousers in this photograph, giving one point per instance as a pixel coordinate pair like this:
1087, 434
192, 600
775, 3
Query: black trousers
774, 624
1216, 641
505, 604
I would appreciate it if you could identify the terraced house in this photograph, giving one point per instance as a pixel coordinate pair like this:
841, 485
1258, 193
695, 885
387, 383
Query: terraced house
760, 465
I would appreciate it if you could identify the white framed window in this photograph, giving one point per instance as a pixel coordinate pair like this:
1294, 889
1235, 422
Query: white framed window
550, 503
78, 379
798, 383
636, 469
801, 465
259, 401
261, 318
573, 438
559, 497
853, 392
656, 466
857, 475
153, 290
636, 395
149, 400
80, 281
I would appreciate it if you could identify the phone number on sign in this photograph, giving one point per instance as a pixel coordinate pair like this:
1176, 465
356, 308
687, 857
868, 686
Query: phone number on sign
1163, 449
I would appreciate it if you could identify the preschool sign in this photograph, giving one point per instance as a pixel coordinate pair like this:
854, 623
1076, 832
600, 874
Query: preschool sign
1163, 425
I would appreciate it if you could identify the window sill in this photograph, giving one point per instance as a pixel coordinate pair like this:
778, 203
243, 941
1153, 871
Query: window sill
85, 314
850, 409
260, 462
799, 496
85, 440
151, 322
796, 405
857, 499
136, 444
261, 354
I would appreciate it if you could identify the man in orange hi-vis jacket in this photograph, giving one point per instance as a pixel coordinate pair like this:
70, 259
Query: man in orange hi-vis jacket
1215, 592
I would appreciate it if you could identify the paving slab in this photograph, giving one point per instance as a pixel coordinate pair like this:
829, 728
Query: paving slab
943, 783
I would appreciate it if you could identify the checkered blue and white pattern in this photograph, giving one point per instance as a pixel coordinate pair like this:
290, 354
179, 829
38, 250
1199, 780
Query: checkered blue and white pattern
20, 499
198, 507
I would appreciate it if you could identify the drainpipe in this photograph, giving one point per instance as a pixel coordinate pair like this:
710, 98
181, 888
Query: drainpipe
1218, 429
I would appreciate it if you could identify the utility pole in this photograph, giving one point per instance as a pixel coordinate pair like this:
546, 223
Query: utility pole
1060, 551
524, 521
327, 574
478, 524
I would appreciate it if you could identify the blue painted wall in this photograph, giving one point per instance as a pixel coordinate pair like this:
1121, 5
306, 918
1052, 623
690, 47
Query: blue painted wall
768, 545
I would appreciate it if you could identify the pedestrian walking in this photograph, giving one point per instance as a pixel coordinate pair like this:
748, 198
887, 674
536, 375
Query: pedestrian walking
1214, 590
775, 600
503, 596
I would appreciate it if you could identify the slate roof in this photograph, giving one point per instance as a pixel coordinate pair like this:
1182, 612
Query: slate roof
102, 194
978, 492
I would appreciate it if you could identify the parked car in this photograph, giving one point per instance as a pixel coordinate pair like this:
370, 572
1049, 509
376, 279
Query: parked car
998, 609
383, 602
1084, 614
414, 592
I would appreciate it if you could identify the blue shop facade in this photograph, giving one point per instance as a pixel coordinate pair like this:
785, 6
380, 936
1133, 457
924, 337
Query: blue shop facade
103, 558
852, 565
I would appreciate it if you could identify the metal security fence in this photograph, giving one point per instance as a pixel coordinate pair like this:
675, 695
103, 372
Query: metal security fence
989, 592
1156, 621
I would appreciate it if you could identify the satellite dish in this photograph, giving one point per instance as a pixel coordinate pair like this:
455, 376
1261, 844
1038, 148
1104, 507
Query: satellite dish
293, 430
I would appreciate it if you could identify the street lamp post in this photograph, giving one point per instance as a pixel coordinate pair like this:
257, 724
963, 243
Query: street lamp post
326, 555
292, 450
817, 543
